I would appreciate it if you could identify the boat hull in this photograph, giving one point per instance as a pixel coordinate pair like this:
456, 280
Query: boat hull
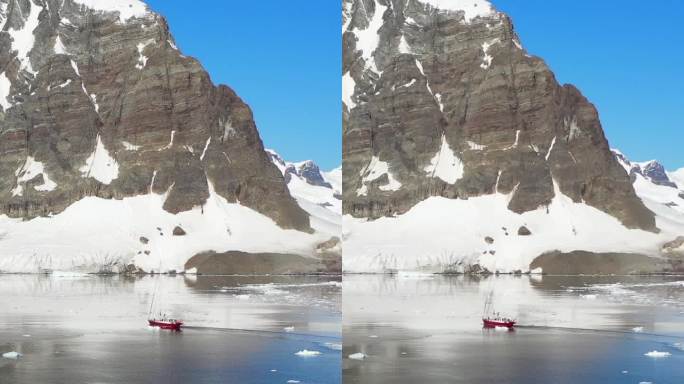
494, 324
175, 326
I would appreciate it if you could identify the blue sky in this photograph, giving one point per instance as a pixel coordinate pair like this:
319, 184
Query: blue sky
625, 56
282, 57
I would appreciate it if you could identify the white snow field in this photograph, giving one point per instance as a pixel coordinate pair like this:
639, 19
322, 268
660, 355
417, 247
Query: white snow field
93, 234
125, 8
445, 235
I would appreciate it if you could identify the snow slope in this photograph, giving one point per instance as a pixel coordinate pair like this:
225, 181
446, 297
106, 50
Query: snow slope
79, 239
439, 234
678, 177
125, 8
321, 203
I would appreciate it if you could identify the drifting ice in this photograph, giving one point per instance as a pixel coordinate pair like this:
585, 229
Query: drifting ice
307, 353
657, 354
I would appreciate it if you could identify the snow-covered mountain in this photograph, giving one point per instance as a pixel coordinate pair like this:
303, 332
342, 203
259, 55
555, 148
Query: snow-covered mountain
118, 153
463, 153
318, 193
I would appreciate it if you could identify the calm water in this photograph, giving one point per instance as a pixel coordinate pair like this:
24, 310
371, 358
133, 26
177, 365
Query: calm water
574, 330
87, 329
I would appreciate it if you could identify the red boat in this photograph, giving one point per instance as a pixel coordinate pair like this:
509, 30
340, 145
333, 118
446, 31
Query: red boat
493, 323
492, 319
174, 325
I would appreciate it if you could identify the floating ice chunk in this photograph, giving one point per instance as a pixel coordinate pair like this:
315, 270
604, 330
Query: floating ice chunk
589, 297
357, 356
293, 381
307, 353
373, 336
638, 329
289, 329
333, 346
26, 335
274, 370
657, 354
12, 355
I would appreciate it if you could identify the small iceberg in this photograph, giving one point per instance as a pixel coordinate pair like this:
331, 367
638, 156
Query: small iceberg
589, 297
357, 356
657, 354
333, 346
12, 355
293, 381
289, 329
307, 353
638, 329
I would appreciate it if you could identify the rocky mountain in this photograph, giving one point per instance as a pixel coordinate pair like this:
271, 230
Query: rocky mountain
462, 152
111, 138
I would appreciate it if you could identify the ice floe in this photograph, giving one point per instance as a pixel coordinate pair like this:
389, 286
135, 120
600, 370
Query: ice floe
307, 353
657, 354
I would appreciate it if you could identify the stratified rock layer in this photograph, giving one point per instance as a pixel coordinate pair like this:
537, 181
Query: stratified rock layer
103, 104
443, 103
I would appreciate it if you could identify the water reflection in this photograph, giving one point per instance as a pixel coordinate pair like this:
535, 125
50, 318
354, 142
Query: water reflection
80, 328
579, 328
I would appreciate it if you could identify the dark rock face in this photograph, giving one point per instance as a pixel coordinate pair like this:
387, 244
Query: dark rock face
312, 174
524, 231
110, 108
436, 87
581, 262
242, 263
656, 172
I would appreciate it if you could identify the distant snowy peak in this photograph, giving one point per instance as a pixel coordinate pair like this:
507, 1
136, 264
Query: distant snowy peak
318, 193
307, 170
651, 170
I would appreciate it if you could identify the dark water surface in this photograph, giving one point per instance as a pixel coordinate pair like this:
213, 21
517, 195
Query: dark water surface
89, 329
416, 329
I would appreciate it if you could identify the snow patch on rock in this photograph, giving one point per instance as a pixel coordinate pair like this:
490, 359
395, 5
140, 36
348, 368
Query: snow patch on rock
367, 39
445, 164
100, 165
126, 9
375, 169
471, 9
30, 170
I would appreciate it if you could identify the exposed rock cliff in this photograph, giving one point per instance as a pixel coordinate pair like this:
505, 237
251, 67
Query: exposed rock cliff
98, 102
454, 133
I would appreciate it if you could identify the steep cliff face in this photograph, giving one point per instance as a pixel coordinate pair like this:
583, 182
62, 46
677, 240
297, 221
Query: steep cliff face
98, 101
454, 134
107, 130
442, 100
